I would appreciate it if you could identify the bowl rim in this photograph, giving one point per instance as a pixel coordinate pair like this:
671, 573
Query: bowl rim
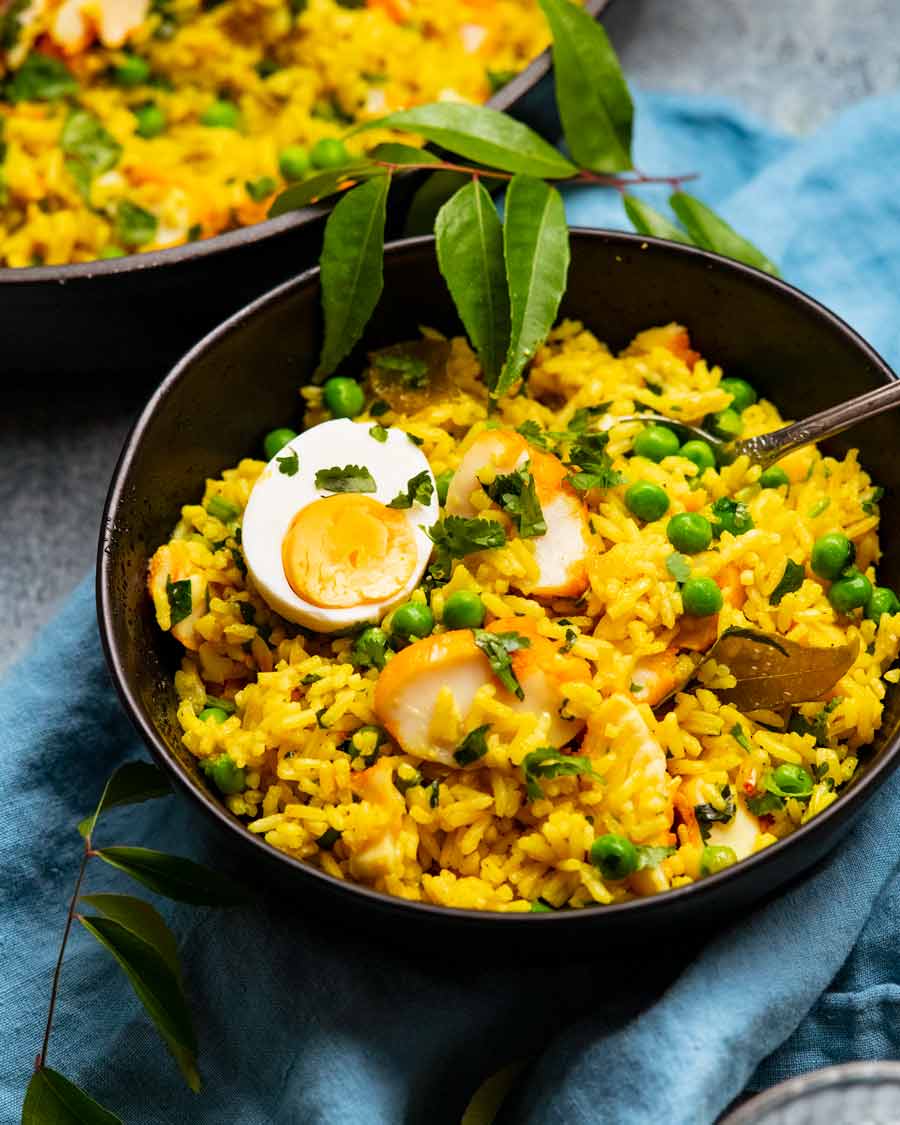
264, 230
696, 893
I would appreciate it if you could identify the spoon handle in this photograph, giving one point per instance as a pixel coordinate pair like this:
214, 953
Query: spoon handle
766, 449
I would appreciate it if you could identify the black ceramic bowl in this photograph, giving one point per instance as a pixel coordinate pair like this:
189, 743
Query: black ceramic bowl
133, 317
242, 380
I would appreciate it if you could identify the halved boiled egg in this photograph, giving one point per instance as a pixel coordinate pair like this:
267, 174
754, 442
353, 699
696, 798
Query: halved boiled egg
443, 673
333, 559
561, 552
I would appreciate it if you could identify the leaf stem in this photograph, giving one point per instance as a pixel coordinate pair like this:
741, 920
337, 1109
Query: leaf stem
41, 1060
620, 182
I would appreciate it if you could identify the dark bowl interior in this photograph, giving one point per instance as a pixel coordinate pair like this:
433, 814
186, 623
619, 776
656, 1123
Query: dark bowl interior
242, 381
133, 317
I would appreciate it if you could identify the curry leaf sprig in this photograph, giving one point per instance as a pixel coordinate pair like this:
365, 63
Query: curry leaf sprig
136, 936
507, 277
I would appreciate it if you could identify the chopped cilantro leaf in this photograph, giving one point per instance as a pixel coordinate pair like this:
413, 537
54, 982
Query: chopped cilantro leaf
289, 463
40, 78
310, 678
472, 747
548, 763
457, 536
378, 432
222, 509
498, 647
413, 372
739, 735
870, 504
731, 515
90, 149
819, 507
678, 566
328, 839
791, 580
181, 600
419, 490
378, 408
707, 814
247, 611
434, 795
534, 435
516, 494
260, 189
764, 803
350, 478
594, 468
135, 226
649, 856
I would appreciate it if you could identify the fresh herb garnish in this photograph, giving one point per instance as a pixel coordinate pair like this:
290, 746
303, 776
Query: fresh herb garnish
328, 839
678, 566
457, 536
731, 515
135, 226
222, 509
434, 793
260, 189
534, 435
349, 478
90, 148
818, 728
764, 803
247, 611
650, 856
819, 507
870, 504
40, 78
411, 371
739, 735
472, 747
708, 814
419, 490
548, 763
289, 463
310, 678
378, 432
181, 600
592, 463
498, 647
791, 580
378, 408
516, 494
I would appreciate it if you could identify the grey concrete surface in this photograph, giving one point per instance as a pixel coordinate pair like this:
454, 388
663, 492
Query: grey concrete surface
795, 62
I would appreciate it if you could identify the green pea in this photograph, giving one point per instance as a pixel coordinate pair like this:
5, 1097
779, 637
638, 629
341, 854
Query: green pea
773, 478
716, 858
221, 114
700, 452
212, 714
831, 554
276, 440
851, 592
793, 780
131, 71
443, 485
151, 120
109, 252
701, 597
329, 153
463, 610
883, 600
742, 394
655, 442
343, 397
293, 162
689, 532
647, 501
727, 424
616, 857
369, 649
226, 776
414, 619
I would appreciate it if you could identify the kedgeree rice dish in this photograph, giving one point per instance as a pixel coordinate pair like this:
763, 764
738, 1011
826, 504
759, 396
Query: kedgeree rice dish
478, 657
132, 125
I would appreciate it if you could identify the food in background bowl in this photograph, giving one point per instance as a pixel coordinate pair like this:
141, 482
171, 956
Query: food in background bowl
133, 125
536, 712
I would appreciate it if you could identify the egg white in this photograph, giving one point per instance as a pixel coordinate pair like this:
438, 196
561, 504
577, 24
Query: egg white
277, 498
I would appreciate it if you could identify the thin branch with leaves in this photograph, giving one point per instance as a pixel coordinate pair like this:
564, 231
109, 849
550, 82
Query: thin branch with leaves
135, 934
506, 279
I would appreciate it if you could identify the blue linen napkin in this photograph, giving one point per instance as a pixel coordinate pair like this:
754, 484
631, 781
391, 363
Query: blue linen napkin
304, 1024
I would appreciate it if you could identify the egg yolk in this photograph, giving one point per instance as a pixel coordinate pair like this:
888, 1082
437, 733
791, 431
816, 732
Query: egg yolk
348, 550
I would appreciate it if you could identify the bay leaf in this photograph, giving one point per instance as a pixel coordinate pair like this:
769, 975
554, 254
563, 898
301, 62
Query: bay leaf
129, 785
173, 876
51, 1099
470, 256
480, 133
773, 672
595, 106
536, 249
352, 267
646, 220
710, 232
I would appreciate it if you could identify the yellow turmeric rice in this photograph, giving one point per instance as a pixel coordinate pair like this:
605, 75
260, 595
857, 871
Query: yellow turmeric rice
132, 125
634, 778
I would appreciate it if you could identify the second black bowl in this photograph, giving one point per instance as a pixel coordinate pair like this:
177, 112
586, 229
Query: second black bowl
242, 381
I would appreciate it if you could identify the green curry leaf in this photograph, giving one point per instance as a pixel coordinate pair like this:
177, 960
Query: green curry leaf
129, 785
710, 232
470, 255
173, 876
321, 186
646, 220
52, 1099
536, 247
352, 267
594, 103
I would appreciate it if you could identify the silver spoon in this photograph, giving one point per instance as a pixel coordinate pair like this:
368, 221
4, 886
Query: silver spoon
766, 449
